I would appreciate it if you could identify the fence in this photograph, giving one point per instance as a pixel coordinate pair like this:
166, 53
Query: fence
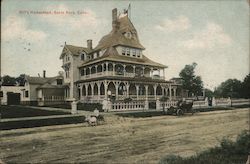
121, 106
51, 100
239, 102
144, 105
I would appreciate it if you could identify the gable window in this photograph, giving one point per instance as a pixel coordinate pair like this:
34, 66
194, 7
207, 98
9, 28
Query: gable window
128, 52
123, 51
82, 56
134, 53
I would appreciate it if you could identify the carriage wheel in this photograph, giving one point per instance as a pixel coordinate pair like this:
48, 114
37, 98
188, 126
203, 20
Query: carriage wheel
179, 112
171, 110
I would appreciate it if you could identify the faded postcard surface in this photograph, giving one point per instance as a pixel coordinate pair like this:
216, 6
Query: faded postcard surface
123, 81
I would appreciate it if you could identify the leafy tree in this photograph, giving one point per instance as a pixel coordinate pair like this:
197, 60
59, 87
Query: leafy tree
190, 81
229, 88
8, 81
245, 90
21, 79
209, 93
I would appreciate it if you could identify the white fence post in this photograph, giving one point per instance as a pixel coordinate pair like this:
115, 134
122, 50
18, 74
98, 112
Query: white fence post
74, 107
214, 102
158, 104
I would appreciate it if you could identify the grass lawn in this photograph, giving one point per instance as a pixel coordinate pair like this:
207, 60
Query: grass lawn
23, 111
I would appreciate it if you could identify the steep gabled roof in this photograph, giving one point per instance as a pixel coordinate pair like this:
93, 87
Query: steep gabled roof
116, 36
74, 50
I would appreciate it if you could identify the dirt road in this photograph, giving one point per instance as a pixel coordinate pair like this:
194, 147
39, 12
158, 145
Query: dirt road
122, 140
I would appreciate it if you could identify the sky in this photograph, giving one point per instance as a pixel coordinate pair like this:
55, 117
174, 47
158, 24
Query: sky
214, 34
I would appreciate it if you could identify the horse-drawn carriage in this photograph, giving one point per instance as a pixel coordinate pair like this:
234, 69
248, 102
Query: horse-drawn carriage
181, 108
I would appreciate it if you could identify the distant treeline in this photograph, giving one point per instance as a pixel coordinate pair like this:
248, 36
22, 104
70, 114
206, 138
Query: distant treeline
13, 81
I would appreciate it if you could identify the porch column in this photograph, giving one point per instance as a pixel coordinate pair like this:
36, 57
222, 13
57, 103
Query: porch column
143, 70
137, 91
102, 68
81, 92
106, 66
174, 92
170, 92
124, 70
113, 69
163, 73
155, 86
92, 90
86, 90
151, 72
116, 89
127, 88
146, 89
105, 90
162, 90
134, 69
99, 90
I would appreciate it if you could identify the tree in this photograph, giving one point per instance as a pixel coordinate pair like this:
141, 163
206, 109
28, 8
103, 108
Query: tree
21, 79
245, 90
229, 88
190, 81
209, 93
8, 81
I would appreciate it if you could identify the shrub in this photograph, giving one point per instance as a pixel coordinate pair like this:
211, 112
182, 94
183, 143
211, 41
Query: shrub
89, 106
170, 159
164, 99
127, 100
227, 153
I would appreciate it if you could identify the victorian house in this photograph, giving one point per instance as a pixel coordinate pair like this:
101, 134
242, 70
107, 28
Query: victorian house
116, 68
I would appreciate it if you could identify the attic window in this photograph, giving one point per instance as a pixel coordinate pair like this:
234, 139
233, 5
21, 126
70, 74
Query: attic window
128, 35
134, 53
128, 52
138, 53
123, 51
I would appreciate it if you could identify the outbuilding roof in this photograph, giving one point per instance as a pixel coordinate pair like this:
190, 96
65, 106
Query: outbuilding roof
74, 50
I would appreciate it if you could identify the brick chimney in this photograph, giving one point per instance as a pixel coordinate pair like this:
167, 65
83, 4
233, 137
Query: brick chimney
115, 23
44, 73
89, 44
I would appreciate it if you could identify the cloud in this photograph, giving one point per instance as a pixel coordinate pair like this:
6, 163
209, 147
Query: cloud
76, 19
181, 23
15, 27
213, 35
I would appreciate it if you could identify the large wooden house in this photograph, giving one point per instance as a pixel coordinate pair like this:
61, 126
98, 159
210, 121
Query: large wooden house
116, 68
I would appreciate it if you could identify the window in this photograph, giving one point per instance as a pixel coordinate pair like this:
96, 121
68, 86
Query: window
134, 53
82, 72
138, 53
123, 51
82, 56
26, 93
1, 93
128, 52
59, 81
